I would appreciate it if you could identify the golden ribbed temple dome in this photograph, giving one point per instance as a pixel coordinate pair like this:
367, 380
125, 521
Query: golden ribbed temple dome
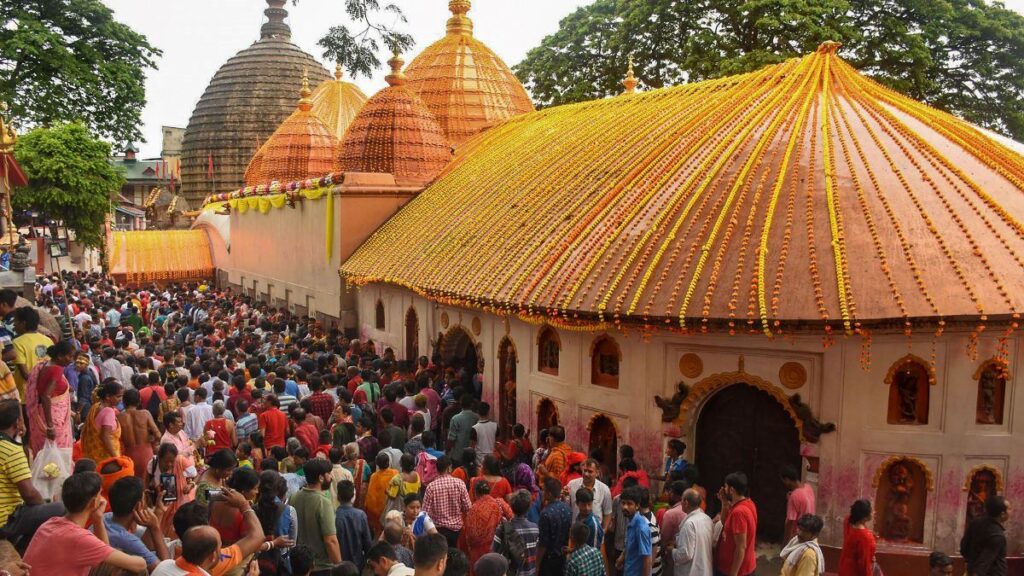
301, 147
248, 97
337, 102
804, 195
465, 85
396, 134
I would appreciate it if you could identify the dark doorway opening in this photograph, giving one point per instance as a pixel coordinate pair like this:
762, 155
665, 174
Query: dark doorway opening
412, 335
459, 353
744, 429
507, 360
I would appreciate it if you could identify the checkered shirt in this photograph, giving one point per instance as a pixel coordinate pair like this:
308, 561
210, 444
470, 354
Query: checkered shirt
585, 561
446, 501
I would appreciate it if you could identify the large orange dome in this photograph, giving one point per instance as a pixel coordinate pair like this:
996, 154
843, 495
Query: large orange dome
464, 84
396, 134
302, 146
337, 102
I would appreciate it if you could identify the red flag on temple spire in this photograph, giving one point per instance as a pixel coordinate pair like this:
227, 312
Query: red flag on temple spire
209, 170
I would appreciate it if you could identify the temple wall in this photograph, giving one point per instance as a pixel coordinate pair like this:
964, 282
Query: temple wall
834, 384
282, 255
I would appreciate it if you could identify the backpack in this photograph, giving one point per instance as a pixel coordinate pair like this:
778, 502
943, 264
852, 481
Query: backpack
512, 547
153, 405
426, 467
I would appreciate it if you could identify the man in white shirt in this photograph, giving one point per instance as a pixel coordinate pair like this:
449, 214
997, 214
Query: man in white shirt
602, 494
691, 554
484, 432
197, 416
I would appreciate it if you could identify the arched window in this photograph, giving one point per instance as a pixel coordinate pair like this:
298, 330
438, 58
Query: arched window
604, 362
909, 381
379, 324
991, 379
548, 349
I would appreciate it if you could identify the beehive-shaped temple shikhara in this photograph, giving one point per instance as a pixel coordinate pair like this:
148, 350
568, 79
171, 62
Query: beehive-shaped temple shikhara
466, 86
337, 102
301, 147
396, 134
802, 195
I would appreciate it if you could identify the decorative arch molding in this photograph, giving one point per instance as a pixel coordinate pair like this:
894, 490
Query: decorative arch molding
994, 361
605, 337
545, 401
911, 358
507, 340
1000, 484
708, 387
548, 328
884, 466
601, 415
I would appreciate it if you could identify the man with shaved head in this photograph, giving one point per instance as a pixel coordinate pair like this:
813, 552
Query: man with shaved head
200, 552
691, 553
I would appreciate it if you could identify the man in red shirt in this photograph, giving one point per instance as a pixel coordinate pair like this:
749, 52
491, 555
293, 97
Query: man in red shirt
305, 431
735, 553
800, 500
273, 423
320, 403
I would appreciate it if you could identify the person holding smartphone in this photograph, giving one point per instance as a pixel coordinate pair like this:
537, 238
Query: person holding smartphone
735, 551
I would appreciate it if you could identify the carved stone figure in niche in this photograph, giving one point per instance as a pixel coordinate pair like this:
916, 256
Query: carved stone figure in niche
991, 389
670, 406
898, 525
983, 485
906, 387
813, 428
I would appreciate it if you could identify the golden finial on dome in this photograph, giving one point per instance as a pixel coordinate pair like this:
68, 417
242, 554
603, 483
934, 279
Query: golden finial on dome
305, 104
459, 23
397, 77
829, 47
630, 81
338, 72
7, 135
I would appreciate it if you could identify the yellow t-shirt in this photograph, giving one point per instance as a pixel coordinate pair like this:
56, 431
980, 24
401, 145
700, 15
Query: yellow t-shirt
29, 350
13, 469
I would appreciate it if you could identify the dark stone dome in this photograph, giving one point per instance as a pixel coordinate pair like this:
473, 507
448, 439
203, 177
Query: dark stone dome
244, 103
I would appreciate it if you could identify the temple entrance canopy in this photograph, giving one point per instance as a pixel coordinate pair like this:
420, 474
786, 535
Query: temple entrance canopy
744, 429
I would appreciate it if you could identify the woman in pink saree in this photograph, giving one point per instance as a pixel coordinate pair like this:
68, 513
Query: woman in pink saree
48, 399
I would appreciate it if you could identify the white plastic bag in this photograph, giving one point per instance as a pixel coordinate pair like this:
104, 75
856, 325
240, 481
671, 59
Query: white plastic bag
52, 465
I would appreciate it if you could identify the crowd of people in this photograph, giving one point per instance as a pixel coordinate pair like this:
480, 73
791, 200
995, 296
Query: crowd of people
195, 431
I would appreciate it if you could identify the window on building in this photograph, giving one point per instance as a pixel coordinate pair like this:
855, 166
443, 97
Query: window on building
379, 323
548, 349
604, 362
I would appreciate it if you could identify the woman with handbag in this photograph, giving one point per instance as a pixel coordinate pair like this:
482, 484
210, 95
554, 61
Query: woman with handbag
48, 399
858, 555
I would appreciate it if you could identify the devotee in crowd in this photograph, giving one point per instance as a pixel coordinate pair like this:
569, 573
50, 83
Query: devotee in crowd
939, 564
983, 545
584, 559
800, 500
858, 555
735, 553
802, 556
691, 551
139, 432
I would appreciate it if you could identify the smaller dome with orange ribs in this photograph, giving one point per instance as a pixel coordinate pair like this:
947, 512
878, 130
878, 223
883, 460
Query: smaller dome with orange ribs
395, 133
337, 102
302, 146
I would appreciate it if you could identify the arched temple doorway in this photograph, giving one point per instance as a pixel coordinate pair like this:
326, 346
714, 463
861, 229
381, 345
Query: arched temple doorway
412, 335
459, 352
547, 414
744, 429
604, 438
507, 360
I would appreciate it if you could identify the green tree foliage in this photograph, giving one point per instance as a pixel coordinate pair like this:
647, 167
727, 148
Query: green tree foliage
69, 60
964, 56
358, 50
70, 178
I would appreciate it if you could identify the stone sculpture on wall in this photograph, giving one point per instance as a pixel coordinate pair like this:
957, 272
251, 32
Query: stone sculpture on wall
983, 484
670, 406
813, 428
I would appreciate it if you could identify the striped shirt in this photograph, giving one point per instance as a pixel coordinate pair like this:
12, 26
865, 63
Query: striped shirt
13, 469
245, 426
530, 534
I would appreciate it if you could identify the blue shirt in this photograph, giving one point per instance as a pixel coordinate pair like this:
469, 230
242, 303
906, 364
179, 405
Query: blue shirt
678, 465
126, 541
638, 545
291, 387
555, 521
353, 534
595, 532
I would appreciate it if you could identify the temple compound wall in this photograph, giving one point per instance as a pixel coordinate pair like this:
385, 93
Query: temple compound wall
917, 425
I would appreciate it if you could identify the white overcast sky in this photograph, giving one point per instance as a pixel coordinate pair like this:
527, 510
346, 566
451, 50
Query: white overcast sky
197, 36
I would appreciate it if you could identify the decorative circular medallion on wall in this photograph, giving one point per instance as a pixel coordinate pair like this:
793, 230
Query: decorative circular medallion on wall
444, 319
691, 366
477, 328
793, 375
